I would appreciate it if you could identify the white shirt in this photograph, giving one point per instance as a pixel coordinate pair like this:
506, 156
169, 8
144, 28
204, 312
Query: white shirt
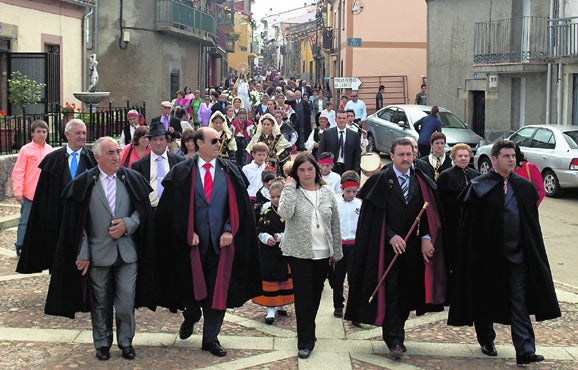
341, 153
311, 139
70, 151
202, 170
122, 138
362, 140
334, 182
348, 216
153, 196
253, 173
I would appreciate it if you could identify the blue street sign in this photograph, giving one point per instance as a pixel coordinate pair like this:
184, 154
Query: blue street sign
354, 41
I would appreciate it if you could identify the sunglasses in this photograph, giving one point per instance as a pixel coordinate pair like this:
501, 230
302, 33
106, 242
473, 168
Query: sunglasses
214, 141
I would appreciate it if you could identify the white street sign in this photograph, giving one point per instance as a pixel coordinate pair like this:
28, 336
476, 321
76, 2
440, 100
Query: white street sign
346, 83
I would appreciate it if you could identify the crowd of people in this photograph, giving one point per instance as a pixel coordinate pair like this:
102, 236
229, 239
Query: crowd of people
234, 201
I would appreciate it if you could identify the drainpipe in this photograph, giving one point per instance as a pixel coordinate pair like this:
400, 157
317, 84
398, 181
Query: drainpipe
562, 14
84, 65
549, 73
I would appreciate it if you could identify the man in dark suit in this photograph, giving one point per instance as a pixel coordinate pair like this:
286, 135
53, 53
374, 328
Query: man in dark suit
211, 263
171, 123
304, 88
57, 170
438, 160
392, 199
303, 119
220, 105
155, 165
343, 143
261, 108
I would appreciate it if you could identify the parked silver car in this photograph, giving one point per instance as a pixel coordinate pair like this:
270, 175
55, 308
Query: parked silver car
554, 149
394, 121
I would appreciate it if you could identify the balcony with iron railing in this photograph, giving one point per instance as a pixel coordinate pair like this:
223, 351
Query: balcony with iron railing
226, 17
563, 38
185, 19
511, 41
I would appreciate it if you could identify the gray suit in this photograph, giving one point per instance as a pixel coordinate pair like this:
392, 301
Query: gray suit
113, 266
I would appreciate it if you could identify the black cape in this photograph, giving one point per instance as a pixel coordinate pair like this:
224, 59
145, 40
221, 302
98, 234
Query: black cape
172, 218
480, 285
451, 183
273, 264
46, 213
68, 292
366, 261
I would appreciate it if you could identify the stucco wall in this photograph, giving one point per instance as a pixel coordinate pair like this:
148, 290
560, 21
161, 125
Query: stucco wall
53, 22
141, 72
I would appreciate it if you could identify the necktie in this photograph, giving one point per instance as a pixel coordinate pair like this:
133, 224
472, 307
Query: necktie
73, 164
111, 193
160, 175
165, 120
341, 143
438, 163
505, 186
208, 183
404, 183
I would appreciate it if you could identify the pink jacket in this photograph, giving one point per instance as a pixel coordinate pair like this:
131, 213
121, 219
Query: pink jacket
26, 172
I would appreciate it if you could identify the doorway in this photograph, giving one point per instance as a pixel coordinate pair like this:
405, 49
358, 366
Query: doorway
479, 112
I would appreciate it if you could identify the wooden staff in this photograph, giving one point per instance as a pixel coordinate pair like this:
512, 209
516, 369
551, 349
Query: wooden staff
415, 222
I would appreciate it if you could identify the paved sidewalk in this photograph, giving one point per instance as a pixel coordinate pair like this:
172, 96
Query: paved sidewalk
31, 340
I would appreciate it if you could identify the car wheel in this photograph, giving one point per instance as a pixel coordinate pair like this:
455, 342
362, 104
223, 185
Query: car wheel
551, 184
484, 165
371, 144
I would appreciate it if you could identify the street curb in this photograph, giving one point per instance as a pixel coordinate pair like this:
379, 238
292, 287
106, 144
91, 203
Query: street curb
9, 221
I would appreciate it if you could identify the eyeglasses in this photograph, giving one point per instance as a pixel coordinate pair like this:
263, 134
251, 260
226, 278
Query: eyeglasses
214, 141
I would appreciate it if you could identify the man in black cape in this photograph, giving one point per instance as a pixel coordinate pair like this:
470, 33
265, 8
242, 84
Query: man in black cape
501, 273
417, 279
46, 212
210, 258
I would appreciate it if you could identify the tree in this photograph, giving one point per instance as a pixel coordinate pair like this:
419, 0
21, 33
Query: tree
23, 90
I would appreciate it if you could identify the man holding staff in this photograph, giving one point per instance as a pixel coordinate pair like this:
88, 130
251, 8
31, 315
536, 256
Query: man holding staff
392, 199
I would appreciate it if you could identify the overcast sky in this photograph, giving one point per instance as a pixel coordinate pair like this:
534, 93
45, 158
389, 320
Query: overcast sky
263, 7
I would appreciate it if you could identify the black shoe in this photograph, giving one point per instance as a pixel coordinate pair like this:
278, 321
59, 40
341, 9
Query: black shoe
338, 312
186, 329
128, 353
489, 349
403, 348
528, 358
215, 349
103, 353
304, 353
269, 320
396, 352
282, 312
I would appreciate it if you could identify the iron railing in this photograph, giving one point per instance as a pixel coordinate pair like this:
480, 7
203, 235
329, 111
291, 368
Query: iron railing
513, 40
100, 121
173, 13
563, 37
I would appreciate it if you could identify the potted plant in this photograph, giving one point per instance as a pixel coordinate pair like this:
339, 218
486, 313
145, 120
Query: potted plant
68, 111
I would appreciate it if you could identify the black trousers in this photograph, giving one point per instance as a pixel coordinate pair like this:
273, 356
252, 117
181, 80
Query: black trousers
213, 318
395, 314
342, 267
308, 279
520, 324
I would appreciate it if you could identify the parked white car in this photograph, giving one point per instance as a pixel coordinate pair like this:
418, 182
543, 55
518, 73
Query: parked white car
554, 149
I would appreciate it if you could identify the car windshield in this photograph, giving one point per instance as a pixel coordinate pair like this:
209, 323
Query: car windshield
571, 138
449, 120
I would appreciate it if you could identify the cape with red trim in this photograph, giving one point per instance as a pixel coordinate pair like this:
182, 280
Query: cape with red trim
238, 276
373, 252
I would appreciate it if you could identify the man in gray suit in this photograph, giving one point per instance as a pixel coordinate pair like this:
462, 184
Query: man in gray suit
109, 254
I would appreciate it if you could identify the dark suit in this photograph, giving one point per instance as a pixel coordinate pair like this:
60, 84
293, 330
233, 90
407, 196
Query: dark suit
41, 236
431, 171
174, 122
143, 166
351, 150
219, 106
260, 110
302, 120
